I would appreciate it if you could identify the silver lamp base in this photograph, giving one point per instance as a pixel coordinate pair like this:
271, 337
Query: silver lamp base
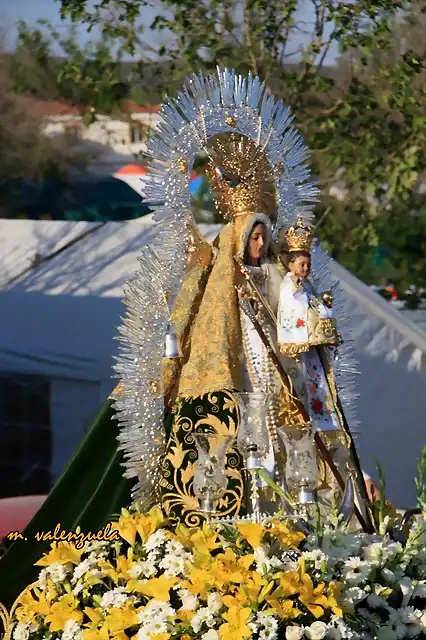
208, 504
305, 497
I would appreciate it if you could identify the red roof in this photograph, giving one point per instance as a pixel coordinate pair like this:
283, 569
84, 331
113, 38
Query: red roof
136, 108
59, 108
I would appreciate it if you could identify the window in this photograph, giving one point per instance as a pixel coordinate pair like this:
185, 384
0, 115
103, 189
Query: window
25, 436
138, 133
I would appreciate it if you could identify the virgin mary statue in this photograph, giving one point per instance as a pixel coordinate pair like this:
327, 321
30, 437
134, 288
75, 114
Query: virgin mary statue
221, 351
193, 292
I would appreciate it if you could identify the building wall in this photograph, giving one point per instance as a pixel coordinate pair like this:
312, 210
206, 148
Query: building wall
112, 134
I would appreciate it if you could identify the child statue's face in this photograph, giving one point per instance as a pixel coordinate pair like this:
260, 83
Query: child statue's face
301, 266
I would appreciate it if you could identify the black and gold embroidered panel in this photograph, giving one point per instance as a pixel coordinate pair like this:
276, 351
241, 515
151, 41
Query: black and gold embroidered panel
215, 413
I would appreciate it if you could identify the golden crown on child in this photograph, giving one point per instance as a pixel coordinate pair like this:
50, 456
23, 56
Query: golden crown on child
300, 236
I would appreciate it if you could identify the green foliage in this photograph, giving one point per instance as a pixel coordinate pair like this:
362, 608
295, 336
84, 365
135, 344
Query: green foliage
48, 65
364, 119
421, 480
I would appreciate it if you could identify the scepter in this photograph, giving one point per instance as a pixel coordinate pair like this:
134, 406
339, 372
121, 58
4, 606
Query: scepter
248, 310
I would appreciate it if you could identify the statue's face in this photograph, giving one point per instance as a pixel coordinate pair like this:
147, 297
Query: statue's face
256, 243
301, 266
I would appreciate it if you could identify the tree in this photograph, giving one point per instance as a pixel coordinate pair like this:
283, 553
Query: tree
363, 119
26, 153
49, 65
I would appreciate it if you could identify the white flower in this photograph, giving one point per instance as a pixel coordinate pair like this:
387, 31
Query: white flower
72, 631
214, 602
407, 589
81, 569
42, 579
175, 547
145, 569
174, 565
202, 616
211, 634
412, 618
77, 589
394, 629
316, 556
354, 595
268, 634
98, 546
155, 618
384, 525
156, 626
420, 590
390, 632
21, 631
114, 598
56, 572
262, 560
355, 571
373, 553
266, 620
333, 633
269, 626
189, 601
316, 631
294, 633
339, 545
155, 540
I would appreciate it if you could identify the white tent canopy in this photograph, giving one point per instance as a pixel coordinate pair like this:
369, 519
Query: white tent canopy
60, 320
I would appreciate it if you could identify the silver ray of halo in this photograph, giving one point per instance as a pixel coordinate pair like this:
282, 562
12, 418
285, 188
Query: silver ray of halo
222, 103
346, 365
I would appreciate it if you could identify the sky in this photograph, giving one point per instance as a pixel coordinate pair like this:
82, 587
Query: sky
32, 10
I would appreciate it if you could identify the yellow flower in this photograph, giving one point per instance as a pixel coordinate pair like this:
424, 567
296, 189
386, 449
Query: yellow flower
198, 583
130, 524
286, 536
159, 636
235, 628
290, 582
61, 611
126, 526
313, 599
120, 619
124, 564
333, 595
227, 568
30, 607
202, 539
147, 525
205, 539
157, 588
283, 609
95, 616
252, 532
60, 552
96, 634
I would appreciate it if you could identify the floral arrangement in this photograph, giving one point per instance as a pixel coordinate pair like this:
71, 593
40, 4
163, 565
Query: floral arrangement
222, 582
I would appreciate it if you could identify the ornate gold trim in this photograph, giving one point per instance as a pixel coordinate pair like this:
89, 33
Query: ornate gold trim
293, 350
